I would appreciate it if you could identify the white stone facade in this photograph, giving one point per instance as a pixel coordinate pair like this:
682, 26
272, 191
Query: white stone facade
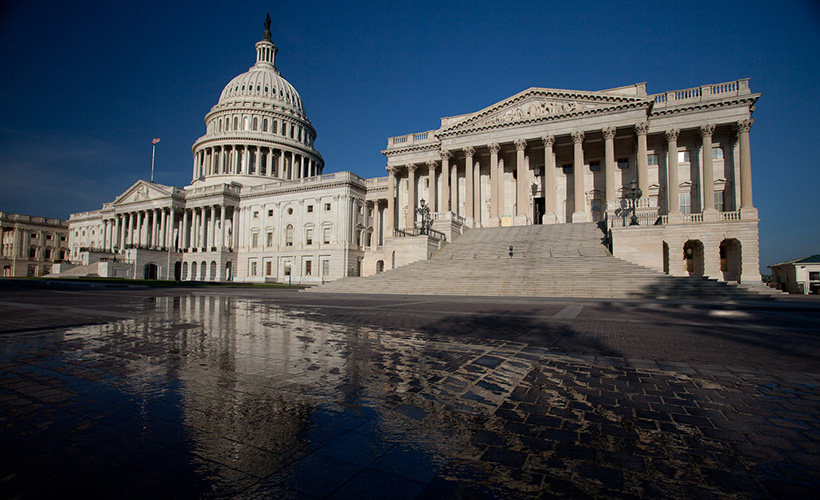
259, 207
515, 163
31, 245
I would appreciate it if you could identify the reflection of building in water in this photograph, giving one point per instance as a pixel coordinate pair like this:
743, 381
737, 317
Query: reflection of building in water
259, 206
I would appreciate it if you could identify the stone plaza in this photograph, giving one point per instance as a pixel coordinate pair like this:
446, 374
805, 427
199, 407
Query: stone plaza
215, 392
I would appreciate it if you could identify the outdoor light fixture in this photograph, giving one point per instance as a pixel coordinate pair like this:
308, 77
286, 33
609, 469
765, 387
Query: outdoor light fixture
426, 218
633, 196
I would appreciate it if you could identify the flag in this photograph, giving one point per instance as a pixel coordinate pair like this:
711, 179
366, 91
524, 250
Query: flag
156, 140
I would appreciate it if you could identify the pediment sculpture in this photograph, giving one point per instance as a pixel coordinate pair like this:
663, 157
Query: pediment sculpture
530, 110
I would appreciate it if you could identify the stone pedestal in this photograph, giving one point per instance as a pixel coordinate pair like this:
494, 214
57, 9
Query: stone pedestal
579, 217
710, 215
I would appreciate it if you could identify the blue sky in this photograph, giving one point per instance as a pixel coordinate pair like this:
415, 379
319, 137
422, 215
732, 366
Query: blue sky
87, 85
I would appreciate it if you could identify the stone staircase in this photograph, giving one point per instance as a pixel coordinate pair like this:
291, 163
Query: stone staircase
561, 260
89, 270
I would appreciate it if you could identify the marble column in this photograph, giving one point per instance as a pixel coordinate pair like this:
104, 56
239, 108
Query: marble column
747, 209
221, 242
391, 199
469, 211
377, 223
163, 241
709, 212
140, 224
672, 180
183, 237
454, 204
431, 188
494, 183
120, 232
212, 228
549, 180
235, 229
202, 229
477, 203
609, 169
445, 180
580, 214
172, 243
521, 185
411, 196
643, 165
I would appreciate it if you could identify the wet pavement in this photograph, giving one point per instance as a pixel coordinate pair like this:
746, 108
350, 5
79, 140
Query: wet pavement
238, 393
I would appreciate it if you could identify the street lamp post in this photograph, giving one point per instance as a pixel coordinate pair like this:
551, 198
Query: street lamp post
633, 196
426, 219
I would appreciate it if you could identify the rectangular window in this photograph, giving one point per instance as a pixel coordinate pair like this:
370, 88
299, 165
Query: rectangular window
268, 267
48, 237
34, 235
327, 207
683, 156
270, 213
254, 240
717, 153
62, 238
686, 203
253, 268
594, 166
308, 268
287, 268
359, 208
269, 239
310, 209
814, 275
309, 237
623, 163
326, 267
567, 168
719, 201
255, 214
652, 159
32, 253
326, 235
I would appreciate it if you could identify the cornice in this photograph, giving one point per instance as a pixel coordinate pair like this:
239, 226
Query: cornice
302, 188
232, 140
695, 107
430, 146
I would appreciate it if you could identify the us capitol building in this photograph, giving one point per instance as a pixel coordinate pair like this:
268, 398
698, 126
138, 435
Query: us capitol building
668, 175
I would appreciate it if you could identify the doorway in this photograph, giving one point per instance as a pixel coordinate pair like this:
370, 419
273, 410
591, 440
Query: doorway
539, 205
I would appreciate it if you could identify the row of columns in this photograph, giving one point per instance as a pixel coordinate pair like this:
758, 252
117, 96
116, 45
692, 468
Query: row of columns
161, 228
236, 159
449, 175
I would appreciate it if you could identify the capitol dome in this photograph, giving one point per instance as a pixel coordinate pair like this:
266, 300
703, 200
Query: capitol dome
258, 129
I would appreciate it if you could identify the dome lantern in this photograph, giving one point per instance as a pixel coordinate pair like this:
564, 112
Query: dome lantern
265, 49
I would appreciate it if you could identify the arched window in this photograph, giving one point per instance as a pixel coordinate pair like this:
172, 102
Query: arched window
220, 125
235, 122
255, 123
273, 127
265, 125
245, 123
289, 236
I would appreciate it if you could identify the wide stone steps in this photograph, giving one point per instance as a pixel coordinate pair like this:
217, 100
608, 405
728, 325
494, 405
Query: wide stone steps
79, 271
564, 260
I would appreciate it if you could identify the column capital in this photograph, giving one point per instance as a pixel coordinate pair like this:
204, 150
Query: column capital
745, 125
641, 128
494, 147
672, 134
578, 137
445, 154
609, 133
469, 150
706, 130
391, 170
520, 144
548, 140
431, 165
411, 167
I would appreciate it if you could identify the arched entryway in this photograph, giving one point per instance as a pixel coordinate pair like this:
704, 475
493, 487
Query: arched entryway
177, 271
730, 259
213, 271
693, 257
203, 271
665, 257
150, 271
185, 270
228, 272
6, 271
379, 266
193, 271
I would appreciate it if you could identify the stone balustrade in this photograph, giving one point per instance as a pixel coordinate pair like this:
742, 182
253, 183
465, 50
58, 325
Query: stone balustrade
702, 93
411, 139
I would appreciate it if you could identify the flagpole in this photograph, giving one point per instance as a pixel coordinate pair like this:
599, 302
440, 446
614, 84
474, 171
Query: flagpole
153, 150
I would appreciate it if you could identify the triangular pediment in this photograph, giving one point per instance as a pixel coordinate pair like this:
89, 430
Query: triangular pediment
540, 104
143, 191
